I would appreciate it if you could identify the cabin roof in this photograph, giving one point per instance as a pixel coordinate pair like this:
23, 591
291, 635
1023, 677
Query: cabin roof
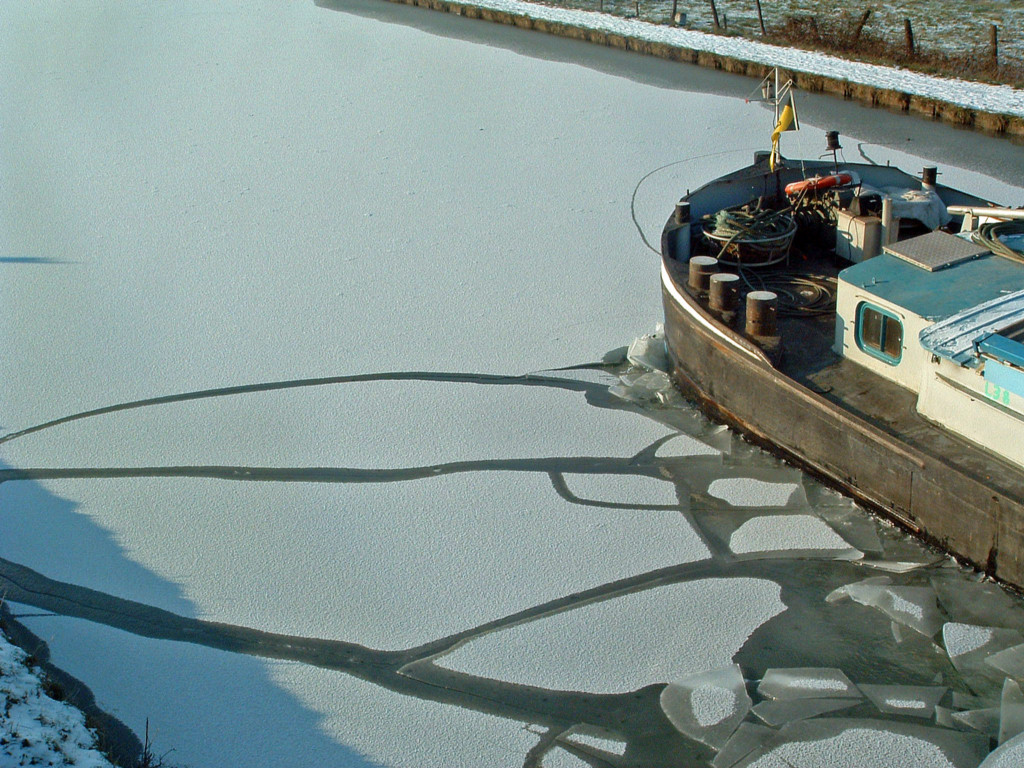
959, 338
940, 294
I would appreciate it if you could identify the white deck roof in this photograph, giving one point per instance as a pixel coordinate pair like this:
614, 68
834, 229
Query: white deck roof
955, 337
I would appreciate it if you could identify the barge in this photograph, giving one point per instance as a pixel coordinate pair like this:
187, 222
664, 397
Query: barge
867, 324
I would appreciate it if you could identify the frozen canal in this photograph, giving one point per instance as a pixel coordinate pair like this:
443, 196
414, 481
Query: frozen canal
309, 455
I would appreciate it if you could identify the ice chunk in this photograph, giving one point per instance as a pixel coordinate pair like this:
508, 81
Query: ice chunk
748, 737
982, 720
916, 700
1011, 711
856, 528
1010, 661
776, 713
970, 646
653, 387
788, 533
748, 492
961, 639
915, 607
893, 566
708, 706
820, 743
1009, 755
649, 351
980, 603
806, 683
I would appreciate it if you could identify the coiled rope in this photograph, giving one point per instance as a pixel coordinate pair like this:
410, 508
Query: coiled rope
988, 236
800, 294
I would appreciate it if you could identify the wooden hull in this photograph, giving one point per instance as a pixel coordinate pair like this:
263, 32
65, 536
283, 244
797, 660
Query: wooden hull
968, 516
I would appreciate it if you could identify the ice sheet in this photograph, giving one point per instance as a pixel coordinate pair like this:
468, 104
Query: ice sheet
386, 565
641, 638
381, 424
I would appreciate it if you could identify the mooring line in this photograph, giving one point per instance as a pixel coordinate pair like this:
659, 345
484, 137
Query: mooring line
646, 176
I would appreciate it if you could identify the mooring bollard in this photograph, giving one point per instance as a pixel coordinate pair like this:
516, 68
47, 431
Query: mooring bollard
724, 292
701, 270
762, 307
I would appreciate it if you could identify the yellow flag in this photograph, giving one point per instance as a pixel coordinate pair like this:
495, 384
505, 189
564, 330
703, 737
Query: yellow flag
785, 123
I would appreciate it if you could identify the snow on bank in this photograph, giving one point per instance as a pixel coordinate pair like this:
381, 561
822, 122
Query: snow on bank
998, 99
35, 729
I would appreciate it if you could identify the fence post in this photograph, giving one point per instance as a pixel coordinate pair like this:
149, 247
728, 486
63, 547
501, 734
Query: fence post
760, 17
714, 15
860, 26
637, 8
908, 36
994, 39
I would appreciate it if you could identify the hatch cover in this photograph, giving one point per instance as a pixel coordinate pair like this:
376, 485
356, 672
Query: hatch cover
936, 250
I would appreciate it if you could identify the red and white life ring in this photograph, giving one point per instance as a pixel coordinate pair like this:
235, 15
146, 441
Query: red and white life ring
820, 182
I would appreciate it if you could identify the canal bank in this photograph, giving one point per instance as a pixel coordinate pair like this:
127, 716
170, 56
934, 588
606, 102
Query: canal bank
943, 100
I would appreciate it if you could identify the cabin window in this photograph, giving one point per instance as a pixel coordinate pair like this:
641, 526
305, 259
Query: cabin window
880, 334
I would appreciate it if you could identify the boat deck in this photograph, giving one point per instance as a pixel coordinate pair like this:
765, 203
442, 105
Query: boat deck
807, 358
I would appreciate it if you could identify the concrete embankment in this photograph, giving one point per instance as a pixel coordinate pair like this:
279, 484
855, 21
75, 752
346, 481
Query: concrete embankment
1011, 126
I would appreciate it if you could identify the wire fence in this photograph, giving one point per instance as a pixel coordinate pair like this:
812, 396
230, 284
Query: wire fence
978, 40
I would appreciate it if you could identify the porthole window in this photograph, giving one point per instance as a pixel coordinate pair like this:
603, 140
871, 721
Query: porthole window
880, 334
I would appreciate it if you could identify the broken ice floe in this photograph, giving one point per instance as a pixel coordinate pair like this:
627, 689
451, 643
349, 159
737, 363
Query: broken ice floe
1010, 661
748, 492
806, 683
962, 639
649, 388
821, 742
708, 706
970, 647
915, 700
1011, 711
776, 713
978, 603
915, 607
984, 721
747, 738
649, 351
786, 534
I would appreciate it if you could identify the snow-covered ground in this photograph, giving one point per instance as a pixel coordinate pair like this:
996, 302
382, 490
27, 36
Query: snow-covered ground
1002, 100
36, 729
332, 246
